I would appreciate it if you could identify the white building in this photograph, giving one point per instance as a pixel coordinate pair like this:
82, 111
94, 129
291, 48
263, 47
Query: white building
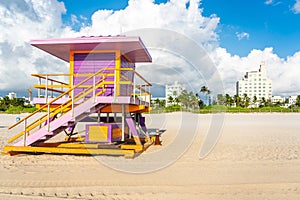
12, 95
255, 83
292, 100
174, 91
276, 99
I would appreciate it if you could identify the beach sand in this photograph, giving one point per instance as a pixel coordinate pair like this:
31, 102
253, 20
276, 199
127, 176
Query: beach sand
257, 156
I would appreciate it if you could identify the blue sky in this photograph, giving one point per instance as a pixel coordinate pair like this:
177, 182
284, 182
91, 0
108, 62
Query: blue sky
259, 24
88, 7
273, 24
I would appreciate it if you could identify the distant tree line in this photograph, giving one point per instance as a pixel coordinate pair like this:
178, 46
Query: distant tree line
191, 101
186, 100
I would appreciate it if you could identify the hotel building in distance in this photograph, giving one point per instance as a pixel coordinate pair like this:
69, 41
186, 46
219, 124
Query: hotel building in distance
255, 83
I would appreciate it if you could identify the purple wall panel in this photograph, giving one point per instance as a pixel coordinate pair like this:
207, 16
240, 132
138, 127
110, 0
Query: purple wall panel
127, 90
92, 63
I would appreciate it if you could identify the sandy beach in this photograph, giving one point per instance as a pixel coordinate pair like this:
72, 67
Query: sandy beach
257, 156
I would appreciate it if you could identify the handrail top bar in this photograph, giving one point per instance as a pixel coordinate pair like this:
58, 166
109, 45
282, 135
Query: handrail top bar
42, 75
49, 79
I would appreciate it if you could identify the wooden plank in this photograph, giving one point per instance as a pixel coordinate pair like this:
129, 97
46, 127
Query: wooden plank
132, 146
43, 86
118, 108
58, 150
132, 127
70, 145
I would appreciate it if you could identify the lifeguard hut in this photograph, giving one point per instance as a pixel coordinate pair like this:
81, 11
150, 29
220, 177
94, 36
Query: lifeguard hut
101, 79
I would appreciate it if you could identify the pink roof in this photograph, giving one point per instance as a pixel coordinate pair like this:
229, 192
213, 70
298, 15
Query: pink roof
131, 46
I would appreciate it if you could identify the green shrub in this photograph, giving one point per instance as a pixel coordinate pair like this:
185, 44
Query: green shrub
19, 109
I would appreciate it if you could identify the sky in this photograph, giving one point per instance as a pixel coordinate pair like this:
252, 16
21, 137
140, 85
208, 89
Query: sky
244, 25
236, 35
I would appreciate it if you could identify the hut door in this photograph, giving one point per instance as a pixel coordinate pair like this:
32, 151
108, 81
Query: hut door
87, 64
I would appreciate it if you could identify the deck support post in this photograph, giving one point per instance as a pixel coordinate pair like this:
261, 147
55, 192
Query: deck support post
107, 117
99, 117
123, 122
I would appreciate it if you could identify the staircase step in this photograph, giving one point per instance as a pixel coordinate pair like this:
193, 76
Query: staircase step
60, 129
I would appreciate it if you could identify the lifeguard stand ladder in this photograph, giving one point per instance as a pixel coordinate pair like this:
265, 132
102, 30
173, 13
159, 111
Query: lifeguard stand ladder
102, 80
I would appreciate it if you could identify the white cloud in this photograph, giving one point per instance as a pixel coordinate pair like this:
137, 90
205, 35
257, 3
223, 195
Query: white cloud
283, 72
296, 7
139, 14
74, 19
272, 2
22, 20
268, 2
173, 15
242, 35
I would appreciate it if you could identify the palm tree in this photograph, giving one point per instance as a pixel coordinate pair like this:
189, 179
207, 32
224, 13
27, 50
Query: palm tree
228, 100
162, 103
298, 101
220, 99
176, 100
254, 99
184, 98
170, 99
237, 100
263, 101
193, 100
206, 92
245, 100
5, 103
156, 102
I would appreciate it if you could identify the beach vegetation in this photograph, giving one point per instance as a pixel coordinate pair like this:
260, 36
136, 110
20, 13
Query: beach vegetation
190, 102
15, 106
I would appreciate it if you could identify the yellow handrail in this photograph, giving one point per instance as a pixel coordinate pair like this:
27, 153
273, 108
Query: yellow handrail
67, 92
49, 79
57, 110
137, 86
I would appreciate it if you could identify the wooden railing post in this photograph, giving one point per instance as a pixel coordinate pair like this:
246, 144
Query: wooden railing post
145, 94
140, 93
115, 85
51, 89
72, 103
48, 118
94, 89
46, 91
39, 90
149, 91
134, 89
25, 133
